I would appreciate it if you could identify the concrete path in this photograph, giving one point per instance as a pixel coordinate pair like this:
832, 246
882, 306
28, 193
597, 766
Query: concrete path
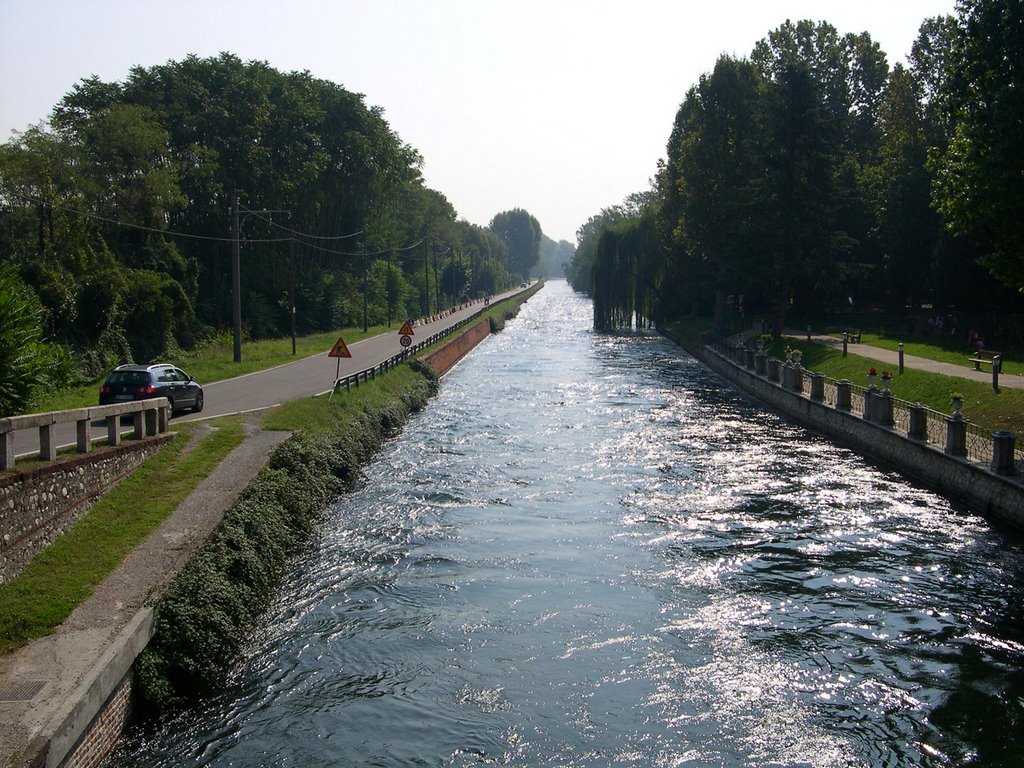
52, 688
890, 359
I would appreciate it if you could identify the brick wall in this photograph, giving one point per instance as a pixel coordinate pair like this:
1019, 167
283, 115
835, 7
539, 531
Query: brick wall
38, 504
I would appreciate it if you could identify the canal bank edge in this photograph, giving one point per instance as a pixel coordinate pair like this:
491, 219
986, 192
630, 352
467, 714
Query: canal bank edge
79, 726
981, 490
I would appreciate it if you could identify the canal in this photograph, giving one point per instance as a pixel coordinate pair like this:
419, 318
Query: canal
591, 551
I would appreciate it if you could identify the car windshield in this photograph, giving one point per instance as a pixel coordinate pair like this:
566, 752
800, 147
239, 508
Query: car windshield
130, 378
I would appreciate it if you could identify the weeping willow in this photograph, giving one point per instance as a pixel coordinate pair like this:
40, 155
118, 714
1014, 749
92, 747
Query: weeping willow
624, 276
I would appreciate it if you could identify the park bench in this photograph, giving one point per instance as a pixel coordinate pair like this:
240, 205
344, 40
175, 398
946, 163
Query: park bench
988, 356
853, 335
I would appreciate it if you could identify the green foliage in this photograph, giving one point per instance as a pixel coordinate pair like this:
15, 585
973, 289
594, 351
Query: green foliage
798, 184
522, 236
94, 209
980, 174
27, 363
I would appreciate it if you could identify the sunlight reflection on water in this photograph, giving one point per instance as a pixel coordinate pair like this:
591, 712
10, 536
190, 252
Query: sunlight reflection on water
591, 551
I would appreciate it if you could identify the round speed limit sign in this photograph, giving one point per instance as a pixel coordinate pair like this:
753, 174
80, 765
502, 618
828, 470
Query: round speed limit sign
406, 340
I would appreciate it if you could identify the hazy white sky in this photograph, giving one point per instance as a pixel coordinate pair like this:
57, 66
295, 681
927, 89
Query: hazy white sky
561, 107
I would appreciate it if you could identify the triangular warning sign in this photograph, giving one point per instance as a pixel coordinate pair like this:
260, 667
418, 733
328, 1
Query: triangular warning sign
406, 329
339, 349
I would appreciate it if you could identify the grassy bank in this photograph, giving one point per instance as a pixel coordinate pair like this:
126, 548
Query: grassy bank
990, 410
215, 601
43, 595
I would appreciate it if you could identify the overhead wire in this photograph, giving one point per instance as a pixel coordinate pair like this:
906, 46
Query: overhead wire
211, 238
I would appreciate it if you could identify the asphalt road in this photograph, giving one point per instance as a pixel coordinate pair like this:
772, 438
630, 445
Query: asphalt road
259, 390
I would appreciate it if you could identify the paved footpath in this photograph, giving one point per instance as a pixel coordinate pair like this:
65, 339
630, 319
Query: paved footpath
52, 687
891, 358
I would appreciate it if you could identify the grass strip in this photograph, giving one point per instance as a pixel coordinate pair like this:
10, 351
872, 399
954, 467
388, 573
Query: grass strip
59, 578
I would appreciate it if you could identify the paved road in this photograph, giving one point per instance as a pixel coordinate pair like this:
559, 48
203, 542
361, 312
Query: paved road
259, 390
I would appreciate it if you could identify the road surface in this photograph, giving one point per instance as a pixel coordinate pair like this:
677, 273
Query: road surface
306, 377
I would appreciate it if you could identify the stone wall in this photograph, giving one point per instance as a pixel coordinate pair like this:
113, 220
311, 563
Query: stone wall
38, 504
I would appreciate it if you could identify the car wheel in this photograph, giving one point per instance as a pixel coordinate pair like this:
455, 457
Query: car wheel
199, 403
170, 407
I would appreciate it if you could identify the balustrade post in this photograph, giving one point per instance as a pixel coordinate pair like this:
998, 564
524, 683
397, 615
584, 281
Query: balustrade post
818, 387
956, 436
1003, 453
796, 377
918, 429
869, 404
774, 367
760, 363
748, 357
843, 398
883, 408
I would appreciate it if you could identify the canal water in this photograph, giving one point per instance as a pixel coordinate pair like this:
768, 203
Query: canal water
591, 551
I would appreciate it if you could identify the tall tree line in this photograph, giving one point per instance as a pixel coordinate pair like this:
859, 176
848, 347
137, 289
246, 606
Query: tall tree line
115, 218
811, 177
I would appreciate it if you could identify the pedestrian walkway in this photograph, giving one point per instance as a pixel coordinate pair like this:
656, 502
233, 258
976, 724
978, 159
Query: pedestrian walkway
51, 689
891, 359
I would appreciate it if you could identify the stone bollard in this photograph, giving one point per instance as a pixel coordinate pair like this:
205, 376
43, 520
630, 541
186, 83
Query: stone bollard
774, 367
760, 363
883, 408
918, 429
843, 399
818, 387
956, 436
1003, 453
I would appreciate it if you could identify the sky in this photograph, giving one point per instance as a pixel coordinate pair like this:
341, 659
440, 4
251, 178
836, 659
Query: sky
560, 107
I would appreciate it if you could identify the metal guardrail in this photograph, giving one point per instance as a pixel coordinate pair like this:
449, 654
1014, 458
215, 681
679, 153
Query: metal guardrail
979, 444
149, 418
367, 374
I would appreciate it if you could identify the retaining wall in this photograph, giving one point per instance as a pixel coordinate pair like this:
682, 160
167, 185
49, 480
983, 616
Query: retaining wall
983, 491
445, 358
38, 504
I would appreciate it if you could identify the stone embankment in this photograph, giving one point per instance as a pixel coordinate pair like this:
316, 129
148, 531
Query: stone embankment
947, 469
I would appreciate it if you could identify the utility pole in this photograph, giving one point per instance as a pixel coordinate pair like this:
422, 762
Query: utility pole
236, 284
236, 272
364, 287
291, 285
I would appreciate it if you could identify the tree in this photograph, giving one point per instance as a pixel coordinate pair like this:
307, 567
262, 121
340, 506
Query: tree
980, 174
712, 165
522, 234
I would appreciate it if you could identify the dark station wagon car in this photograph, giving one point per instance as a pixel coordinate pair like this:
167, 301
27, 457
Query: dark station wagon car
141, 382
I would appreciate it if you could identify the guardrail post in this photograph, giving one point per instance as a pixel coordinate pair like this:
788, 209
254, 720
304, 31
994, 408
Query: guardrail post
139, 423
997, 363
47, 442
113, 433
843, 398
918, 429
151, 422
6, 450
82, 442
956, 436
1003, 453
